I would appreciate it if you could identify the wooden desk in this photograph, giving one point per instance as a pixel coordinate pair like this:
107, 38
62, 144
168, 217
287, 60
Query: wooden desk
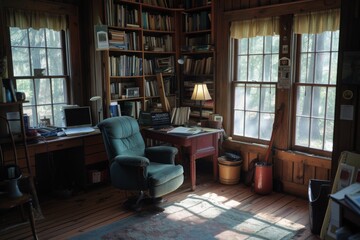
197, 146
85, 152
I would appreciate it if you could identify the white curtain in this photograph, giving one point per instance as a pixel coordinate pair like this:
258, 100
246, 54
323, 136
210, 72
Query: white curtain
317, 22
255, 27
30, 19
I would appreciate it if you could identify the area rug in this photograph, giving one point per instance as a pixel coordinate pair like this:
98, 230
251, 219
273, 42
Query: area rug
196, 217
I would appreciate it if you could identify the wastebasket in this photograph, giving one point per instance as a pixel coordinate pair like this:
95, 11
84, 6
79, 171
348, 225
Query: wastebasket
263, 178
318, 192
229, 170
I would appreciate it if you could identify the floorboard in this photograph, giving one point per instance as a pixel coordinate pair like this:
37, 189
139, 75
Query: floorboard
102, 205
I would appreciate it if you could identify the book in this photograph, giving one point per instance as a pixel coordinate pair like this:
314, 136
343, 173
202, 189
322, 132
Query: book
185, 130
353, 199
114, 109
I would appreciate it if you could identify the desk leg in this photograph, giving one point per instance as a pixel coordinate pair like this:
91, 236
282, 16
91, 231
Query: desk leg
215, 167
193, 172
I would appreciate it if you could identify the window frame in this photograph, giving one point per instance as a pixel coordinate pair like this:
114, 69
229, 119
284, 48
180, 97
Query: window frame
296, 77
32, 77
234, 62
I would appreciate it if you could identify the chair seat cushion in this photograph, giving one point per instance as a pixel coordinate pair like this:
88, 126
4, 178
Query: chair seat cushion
162, 173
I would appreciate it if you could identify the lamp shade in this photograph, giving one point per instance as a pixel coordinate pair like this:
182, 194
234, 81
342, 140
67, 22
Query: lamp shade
200, 92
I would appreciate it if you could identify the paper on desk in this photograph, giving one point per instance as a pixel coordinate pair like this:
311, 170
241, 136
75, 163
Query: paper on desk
339, 195
185, 130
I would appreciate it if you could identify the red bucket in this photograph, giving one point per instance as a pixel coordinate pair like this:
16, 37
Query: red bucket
263, 178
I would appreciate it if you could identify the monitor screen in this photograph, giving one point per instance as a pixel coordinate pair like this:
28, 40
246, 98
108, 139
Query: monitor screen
77, 117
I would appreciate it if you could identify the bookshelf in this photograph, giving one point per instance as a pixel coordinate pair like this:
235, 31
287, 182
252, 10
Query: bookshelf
198, 54
142, 42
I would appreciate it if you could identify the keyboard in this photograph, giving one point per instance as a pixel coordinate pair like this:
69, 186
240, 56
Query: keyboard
78, 130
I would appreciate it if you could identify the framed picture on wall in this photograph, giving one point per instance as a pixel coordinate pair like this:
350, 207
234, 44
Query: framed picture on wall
351, 68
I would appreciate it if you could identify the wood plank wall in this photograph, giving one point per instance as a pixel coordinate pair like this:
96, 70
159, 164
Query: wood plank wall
293, 169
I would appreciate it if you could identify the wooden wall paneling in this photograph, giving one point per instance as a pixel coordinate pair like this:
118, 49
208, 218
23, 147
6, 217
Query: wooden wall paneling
298, 176
309, 173
322, 173
288, 171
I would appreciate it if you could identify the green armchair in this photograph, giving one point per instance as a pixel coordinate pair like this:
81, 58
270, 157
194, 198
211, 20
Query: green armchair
135, 167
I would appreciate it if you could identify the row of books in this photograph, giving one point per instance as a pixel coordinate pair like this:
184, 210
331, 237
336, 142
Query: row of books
125, 108
125, 65
158, 44
124, 40
197, 21
152, 88
156, 65
117, 89
157, 22
124, 16
180, 115
198, 66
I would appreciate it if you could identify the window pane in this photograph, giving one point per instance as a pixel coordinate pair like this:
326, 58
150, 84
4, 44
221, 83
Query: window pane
242, 68
317, 134
20, 58
307, 43
239, 123
268, 93
329, 135
268, 44
303, 101
45, 112
239, 97
267, 68
37, 37
319, 101
243, 46
323, 42
266, 123
26, 86
302, 131
42, 87
255, 68
275, 44
58, 116
252, 124
256, 45
330, 103
322, 66
55, 64
252, 100
333, 67
58, 88
53, 38
18, 37
335, 41
274, 68
307, 62
38, 59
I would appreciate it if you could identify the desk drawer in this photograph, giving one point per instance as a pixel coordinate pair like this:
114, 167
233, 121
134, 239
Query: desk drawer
59, 145
95, 158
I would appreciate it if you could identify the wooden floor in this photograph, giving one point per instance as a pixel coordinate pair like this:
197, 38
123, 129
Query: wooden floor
99, 206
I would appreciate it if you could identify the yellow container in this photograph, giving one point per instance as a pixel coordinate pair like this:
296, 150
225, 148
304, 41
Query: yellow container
229, 171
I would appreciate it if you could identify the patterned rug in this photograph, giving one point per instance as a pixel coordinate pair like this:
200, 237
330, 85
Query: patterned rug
196, 217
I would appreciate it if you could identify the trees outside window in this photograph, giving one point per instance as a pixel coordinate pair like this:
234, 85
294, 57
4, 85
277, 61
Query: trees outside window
39, 69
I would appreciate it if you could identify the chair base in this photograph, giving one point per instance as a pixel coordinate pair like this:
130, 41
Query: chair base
143, 202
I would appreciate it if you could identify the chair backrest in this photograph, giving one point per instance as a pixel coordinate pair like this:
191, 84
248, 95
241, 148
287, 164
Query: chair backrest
122, 136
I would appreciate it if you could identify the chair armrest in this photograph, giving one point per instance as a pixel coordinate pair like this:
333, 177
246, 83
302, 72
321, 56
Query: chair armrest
133, 161
161, 154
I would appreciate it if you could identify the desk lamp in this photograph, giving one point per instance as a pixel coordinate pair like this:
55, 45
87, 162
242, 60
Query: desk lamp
200, 93
97, 99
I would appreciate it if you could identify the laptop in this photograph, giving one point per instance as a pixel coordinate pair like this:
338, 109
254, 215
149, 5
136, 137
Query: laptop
77, 120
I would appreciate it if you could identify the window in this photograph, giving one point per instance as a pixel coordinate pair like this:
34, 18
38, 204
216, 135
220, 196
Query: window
39, 70
255, 86
314, 57
315, 89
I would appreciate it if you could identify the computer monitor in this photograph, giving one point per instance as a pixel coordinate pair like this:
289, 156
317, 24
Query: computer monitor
75, 116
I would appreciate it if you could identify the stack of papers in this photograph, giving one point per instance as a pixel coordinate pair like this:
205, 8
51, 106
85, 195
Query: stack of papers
185, 130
